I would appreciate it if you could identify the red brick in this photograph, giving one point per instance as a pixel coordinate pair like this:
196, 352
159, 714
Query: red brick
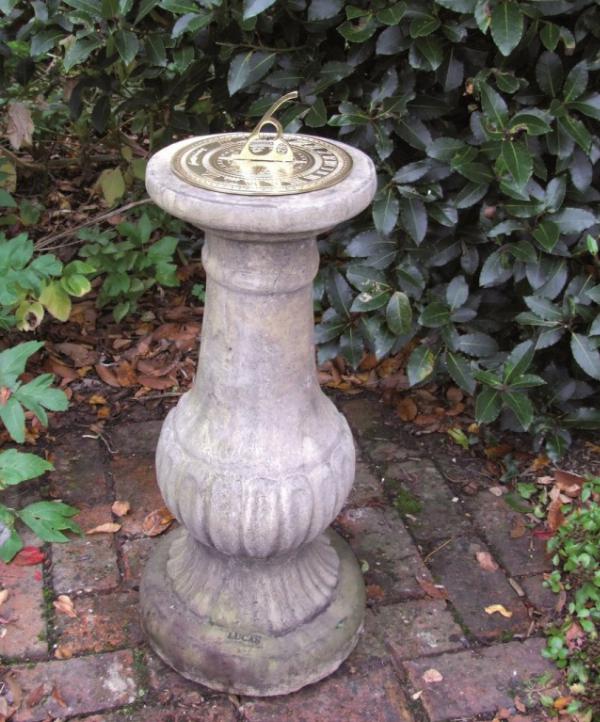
103, 623
79, 477
373, 695
524, 555
380, 540
418, 628
24, 634
471, 588
169, 687
83, 685
135, 481
135, 438
214, 710
367, 489
87, 564
134, 555
477, 682
441, 515
363, 414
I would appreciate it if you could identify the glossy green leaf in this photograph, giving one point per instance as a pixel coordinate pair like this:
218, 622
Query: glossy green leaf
398, 313
488, 405
507, 26
518, 160
420, 366
385, 210
586, 354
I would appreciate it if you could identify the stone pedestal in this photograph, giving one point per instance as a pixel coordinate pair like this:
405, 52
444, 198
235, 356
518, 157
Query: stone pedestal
253, 595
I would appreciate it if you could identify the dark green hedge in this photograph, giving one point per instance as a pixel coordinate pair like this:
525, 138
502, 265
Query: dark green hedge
482, 247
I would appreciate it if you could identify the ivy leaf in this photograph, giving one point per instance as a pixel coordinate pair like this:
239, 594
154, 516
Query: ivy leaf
586, 355
255, 7
48, 519
398, 313
507, 26
385, 210
247, 68
420, 365
127, 45
518, 160
17, 466
487, 405
414, 218
460, 370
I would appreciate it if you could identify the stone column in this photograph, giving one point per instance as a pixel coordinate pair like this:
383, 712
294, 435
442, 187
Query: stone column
253, 594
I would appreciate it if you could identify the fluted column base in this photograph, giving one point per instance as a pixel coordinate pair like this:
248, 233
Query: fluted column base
245, 657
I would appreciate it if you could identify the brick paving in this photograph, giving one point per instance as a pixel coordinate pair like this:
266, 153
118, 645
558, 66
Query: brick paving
429, 651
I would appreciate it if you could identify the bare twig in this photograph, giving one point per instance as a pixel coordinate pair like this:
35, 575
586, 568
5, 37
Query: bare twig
437, 549
45, 243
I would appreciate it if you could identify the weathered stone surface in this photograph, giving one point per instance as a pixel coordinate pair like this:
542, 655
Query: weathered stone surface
523, 555
373, 695
441, 515
135, 481
476, 682
542, 598
24, 634
417, 629
59, 689
171, 688
135, 439
255, 461
103, 623
386, 452
88, 564
471, 589
78, 477
381, 542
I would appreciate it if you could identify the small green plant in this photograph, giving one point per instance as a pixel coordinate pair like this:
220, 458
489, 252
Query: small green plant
30, 285
47, 519
575, 646
132, 262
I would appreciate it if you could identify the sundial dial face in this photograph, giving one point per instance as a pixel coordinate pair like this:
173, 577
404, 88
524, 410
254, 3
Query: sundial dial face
239, 164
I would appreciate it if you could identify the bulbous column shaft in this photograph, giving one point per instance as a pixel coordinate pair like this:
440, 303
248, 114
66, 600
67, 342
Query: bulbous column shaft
253, 595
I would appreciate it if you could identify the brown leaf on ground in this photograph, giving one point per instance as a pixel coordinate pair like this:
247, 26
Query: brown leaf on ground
107, 374
497, 452
455, 410
569, 483
66, 373
434, 591
64, 604
454, 394
574, 636
120, 508
407, 409
183, 335
375, 593
157, 522
19, 125
63, 651
97, 400
36, 695
540, 462
157, 383
78, 353
518, 528
29, 556
4, 594
498, 609
486, 562
125, 374
555, 516
109, 527
432, 676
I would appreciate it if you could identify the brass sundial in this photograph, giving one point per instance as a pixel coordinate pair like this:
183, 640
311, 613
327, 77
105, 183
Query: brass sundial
262, 164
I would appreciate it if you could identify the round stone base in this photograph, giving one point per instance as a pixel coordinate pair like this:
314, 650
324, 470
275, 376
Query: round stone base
248, 661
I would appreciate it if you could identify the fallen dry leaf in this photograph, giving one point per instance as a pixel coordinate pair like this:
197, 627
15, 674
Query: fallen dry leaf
157, 521
516, 586
496, 490
555, 515
29, 556
97, 400
3, 596
518, 528
569, 483
375, 593
499, 609
36, 695
434, 591
107, 375
486, 562
63, 651
161, 383
19, 126
407, 409
120, 508
432, 675
454, 394
64, 604
78, 353
110, 527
